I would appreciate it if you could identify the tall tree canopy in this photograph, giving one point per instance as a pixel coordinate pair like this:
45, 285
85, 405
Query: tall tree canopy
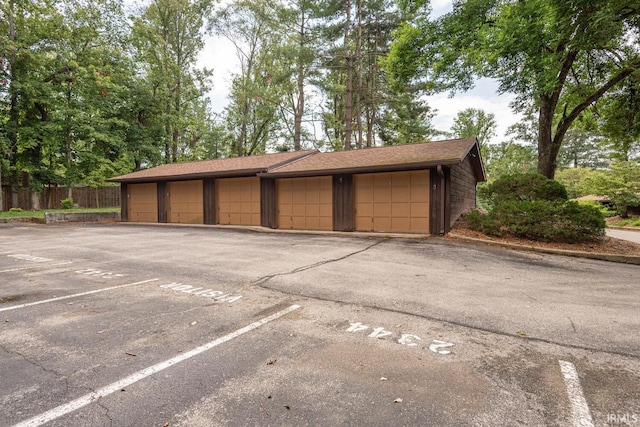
557, 56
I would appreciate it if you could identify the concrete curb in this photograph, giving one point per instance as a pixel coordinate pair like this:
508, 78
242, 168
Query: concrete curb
615, 227
260, 229
22, 220
58, 217
625, 259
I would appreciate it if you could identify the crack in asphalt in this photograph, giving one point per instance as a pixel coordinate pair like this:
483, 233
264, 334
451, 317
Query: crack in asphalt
26, 359
264, 279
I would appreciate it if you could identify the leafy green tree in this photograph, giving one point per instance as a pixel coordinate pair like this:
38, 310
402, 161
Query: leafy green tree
508, 158
474, 122
621, 183
405, 120
168, 36
576, 180
620, 121
28, 41
558, 57
583, 149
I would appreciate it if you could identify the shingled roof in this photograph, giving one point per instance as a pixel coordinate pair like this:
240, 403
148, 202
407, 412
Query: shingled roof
233, 166
383, 159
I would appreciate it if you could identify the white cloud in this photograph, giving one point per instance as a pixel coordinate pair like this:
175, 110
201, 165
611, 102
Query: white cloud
484, 96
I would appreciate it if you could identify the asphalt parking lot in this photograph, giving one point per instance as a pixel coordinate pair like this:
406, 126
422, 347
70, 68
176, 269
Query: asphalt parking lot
125, 325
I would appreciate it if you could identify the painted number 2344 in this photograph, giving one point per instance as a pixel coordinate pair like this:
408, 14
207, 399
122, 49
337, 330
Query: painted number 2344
409, 340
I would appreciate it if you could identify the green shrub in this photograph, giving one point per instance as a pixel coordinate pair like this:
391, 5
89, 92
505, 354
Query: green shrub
543, 220
66, 203
522, 187
534, 207
15, 210
484, 223
604, 210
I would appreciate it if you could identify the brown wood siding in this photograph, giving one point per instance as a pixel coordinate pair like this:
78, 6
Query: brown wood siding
305, 203
238, 201
343, 207
143, 202
268, 206
440, 201
185, 202
124, 203
462, 190
163, 208
209, 200
392, 202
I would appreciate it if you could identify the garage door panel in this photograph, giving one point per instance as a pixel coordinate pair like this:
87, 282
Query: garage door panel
143, 202
420, 210
284, 221
298, 222
382, 210
285, 210
364, 210
185, 202
419, 194
364, 223
402, 225
313, 210
420, 225
400, 195
298, 210
312, 223
382, 194
420, 179
400, 210
397, 201
382, 224
382, 180
326, 223
401, 180
312, 196
238, 201
326, 197
305, 203
326, 211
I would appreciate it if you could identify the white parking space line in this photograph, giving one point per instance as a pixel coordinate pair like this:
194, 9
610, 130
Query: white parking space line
579, 407
119, 385
95, 291
35, 266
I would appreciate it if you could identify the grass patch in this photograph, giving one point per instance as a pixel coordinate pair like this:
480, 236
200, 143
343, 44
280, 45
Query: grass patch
40, 214
629, 222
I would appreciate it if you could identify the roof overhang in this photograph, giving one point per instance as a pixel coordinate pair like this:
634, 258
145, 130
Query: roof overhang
363, 169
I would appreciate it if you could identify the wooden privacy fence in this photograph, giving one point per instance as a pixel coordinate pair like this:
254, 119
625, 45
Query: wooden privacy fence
83, 197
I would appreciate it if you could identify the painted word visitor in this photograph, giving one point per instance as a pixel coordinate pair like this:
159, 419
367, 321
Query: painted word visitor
208, 293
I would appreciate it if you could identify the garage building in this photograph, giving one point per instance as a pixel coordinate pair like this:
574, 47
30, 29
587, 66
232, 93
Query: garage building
415, 188
221, 191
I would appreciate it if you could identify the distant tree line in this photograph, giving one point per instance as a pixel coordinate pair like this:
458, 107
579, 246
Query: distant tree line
92, 89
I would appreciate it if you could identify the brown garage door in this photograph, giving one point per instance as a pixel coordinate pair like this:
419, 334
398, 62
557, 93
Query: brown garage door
305, 203
142, 202
184, 202
392, 202
238, 201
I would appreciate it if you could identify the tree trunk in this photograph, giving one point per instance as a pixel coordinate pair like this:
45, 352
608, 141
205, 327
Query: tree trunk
35, 201
358, 111
547, 150
299, 108
348, 108
13, 110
